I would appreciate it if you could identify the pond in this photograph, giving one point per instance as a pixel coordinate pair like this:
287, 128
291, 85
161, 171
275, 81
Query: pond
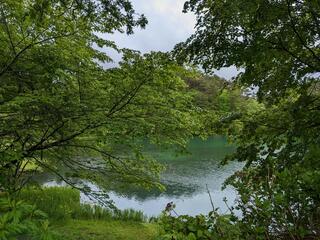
186, 177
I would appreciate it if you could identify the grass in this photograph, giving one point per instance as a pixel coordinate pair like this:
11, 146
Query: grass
74, 221
58, 202
87, 211
106, 230
63, 203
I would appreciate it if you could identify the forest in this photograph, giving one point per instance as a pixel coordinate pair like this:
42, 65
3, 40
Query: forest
81, 133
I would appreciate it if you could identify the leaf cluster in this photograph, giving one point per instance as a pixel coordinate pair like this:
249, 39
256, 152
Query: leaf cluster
18, 219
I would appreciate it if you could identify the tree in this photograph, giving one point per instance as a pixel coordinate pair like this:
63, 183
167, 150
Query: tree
60, 107
276, 43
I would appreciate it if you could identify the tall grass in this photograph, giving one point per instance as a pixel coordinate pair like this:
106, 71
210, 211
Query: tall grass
63, 203
95, 212
58, 202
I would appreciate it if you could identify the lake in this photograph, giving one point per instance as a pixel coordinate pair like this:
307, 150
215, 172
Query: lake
185, 178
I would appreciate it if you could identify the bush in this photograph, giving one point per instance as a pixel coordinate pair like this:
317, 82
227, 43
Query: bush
19, 220
200, 227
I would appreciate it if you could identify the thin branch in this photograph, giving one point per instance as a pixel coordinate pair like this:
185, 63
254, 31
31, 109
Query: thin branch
297, 33
211, 201
73, 185
8, 31
16, 57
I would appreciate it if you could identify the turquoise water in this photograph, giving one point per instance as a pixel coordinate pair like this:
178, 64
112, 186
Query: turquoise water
185, 179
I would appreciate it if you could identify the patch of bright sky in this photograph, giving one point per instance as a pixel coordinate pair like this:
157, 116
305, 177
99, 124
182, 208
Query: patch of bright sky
167, 26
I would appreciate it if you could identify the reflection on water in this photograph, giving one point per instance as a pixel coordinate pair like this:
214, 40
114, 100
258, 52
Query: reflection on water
185, 179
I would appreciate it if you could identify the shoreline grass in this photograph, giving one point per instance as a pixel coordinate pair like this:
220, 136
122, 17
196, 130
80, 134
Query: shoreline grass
63, 203
106, 230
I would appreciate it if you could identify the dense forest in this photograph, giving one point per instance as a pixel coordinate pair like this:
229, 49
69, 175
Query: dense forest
63, 112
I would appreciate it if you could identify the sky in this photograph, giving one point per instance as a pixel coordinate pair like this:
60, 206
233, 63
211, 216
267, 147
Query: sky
167, 26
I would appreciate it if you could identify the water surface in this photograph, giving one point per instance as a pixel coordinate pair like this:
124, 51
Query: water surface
185, 178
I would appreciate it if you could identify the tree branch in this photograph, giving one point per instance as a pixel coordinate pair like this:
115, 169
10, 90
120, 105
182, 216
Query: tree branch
16, 57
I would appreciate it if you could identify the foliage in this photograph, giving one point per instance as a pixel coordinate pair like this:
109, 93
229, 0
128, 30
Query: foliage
276, 44
18, 219
217, 100
279, 186
212, 226
61, 109
62, 205
215, 94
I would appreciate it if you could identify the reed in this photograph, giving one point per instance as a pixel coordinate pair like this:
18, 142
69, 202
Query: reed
94, 212
63, 203
58, 202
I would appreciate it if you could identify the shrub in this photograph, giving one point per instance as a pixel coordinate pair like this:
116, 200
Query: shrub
19, 220
201, 227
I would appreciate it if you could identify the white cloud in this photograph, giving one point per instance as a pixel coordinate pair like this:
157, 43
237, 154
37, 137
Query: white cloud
167, 26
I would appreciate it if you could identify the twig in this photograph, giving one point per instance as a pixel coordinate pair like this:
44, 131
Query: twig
210, 197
